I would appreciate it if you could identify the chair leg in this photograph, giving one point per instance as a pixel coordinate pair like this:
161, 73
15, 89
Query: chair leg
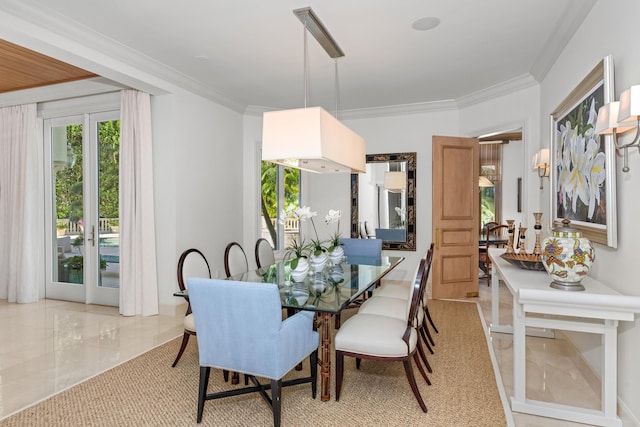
185, 340
225, 375
202, 389
276, 389
426, 309
358, 360
423, 335
313, 361
336, 321
423, 356
412, 382
339, 372
421, 369
433, 343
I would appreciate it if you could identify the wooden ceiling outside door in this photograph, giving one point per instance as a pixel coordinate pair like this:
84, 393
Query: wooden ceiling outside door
21, 68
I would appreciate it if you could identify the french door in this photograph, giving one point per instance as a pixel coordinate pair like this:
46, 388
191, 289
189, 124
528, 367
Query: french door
83, 233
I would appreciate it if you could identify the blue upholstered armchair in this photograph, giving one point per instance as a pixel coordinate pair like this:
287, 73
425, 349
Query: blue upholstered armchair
240, 329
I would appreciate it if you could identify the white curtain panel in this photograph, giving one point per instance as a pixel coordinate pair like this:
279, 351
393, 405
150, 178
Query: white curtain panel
21, 205
138, 275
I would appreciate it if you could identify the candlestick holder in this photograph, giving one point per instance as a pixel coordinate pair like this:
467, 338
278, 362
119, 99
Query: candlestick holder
511, 230
522, 250
538, 230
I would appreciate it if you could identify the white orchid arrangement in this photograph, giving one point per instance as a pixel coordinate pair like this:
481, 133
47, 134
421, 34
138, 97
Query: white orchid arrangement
334, 217
302, 214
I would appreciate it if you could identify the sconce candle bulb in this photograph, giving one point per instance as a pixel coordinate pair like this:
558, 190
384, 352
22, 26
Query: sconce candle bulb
619, 117
541, 164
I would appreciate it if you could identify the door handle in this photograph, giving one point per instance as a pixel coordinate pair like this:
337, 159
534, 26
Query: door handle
92, 239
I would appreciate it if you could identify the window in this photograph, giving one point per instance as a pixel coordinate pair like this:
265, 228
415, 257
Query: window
280, 187
491, 196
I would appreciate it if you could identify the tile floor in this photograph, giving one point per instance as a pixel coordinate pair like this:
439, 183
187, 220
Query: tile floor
51, 345
555, 373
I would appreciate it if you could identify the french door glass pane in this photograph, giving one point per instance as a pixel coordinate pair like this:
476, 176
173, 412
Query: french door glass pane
68, 202
108, 209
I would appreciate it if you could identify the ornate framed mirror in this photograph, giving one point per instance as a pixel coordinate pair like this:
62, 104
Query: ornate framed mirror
383, 201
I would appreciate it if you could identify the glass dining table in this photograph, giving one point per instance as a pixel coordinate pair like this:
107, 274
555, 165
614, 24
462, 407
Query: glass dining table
326, 292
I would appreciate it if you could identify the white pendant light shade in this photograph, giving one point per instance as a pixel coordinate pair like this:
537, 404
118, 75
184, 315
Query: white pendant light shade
313, 140
395, 181
483, 181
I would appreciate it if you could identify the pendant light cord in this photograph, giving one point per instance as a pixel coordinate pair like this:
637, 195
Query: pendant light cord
306, 62
337, 90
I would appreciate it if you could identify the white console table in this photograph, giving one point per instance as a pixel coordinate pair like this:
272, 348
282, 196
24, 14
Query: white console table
595, 310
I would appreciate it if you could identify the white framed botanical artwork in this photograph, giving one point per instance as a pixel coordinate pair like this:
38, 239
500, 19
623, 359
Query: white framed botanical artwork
583, 172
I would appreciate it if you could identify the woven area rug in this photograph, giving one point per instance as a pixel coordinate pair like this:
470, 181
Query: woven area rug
146, 391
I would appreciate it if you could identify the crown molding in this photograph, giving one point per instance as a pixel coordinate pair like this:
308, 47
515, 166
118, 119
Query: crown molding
559, 39
361, 113
505, 88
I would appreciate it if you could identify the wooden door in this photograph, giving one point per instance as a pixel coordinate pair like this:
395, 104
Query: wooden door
455, 217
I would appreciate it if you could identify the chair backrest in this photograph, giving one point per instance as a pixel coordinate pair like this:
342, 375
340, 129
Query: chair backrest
240, 328
235, 260
237, 322
420, 287
363, 232
264, 253
496, 235
391, 234
362, 251
192, 263
484, 232
367, 230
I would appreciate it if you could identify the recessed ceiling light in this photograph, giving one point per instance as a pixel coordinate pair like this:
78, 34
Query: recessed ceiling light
426, 23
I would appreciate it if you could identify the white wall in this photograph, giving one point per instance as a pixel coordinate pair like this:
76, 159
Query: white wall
198, 173
610, 28
512, 169
517, 110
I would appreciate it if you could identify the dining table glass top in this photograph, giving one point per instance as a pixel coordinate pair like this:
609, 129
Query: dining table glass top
329, 290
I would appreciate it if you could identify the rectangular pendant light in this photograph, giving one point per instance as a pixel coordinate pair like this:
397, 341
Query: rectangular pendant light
313, 140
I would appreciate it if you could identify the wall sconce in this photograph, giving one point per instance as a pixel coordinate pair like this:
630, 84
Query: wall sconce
619, 117
541, 164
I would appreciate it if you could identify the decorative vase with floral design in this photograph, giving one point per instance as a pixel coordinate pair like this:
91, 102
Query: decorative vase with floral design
299, 273
567, 257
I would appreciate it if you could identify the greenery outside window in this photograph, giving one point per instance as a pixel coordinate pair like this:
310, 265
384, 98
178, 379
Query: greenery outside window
280, 188
491, 197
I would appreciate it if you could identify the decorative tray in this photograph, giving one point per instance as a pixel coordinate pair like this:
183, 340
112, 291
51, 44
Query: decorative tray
525, 261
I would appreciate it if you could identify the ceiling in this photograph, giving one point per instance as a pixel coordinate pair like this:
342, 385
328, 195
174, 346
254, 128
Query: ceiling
22, 68
251, 51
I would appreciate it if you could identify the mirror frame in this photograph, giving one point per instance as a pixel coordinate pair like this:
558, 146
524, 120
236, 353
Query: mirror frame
410, 158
